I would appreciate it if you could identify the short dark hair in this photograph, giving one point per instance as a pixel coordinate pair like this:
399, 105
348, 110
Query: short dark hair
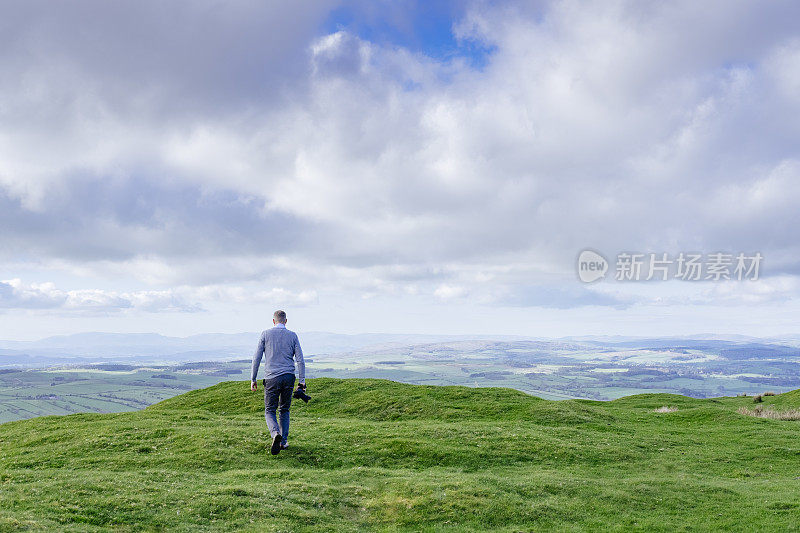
279, 316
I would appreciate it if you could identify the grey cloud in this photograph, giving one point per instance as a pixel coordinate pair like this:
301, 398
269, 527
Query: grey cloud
117, 218
175, 57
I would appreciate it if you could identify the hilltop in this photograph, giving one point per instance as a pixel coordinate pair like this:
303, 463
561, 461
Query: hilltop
373, 454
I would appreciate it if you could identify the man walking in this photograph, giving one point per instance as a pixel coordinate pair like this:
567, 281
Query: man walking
280, 349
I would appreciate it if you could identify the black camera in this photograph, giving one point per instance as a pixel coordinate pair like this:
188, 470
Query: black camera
300, 394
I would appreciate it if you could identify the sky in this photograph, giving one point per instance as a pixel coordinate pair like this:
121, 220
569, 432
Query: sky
402, 167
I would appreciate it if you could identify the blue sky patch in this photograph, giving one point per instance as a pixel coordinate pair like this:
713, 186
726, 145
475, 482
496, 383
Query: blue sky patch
425, 28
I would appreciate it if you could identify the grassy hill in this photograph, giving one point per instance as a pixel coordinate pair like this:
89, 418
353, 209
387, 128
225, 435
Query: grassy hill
379, 455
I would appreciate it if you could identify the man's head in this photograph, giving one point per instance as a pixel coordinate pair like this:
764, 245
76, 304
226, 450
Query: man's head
279, 317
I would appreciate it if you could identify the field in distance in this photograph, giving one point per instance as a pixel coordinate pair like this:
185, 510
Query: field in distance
601, 370
104, 388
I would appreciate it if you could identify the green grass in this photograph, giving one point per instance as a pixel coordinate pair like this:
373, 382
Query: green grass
378, 455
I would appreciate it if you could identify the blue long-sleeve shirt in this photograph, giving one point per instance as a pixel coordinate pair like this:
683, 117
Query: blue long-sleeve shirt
280, 349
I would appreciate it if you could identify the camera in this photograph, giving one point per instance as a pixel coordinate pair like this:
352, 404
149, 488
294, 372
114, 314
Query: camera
300, 394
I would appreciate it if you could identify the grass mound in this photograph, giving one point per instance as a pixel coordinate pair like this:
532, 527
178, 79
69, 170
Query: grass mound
379, 455
369, 399
789, 399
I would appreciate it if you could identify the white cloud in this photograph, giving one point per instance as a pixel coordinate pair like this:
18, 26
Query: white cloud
447, 292
777, 289
277, 296
14, 294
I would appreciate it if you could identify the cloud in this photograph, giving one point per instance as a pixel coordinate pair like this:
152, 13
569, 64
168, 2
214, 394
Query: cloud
238, 295
14, 294
447, 292
241, 148
560, 297
131, 58
89, 217
772, 292
778, 289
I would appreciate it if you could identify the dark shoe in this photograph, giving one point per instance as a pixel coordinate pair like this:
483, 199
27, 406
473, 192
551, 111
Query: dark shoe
276, 445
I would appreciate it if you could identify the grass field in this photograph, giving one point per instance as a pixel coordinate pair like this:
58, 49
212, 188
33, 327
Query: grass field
379, 455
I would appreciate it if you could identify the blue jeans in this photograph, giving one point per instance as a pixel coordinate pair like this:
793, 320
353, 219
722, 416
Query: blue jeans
278, 396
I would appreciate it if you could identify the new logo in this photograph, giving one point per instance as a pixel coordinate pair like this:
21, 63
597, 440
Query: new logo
591, 266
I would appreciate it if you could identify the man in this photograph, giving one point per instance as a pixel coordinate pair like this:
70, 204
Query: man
280, 349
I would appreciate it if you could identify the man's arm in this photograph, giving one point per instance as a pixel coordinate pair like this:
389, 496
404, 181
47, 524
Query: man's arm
257, 362
299, 362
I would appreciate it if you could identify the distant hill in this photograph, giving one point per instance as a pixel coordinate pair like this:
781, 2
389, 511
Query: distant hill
96, 347
379, 455
91, 347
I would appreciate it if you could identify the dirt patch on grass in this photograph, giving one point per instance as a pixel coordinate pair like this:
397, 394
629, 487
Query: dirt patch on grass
760, 412
666, 409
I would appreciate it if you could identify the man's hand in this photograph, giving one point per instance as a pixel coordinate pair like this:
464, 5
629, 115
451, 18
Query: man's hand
253, 386
301, 386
